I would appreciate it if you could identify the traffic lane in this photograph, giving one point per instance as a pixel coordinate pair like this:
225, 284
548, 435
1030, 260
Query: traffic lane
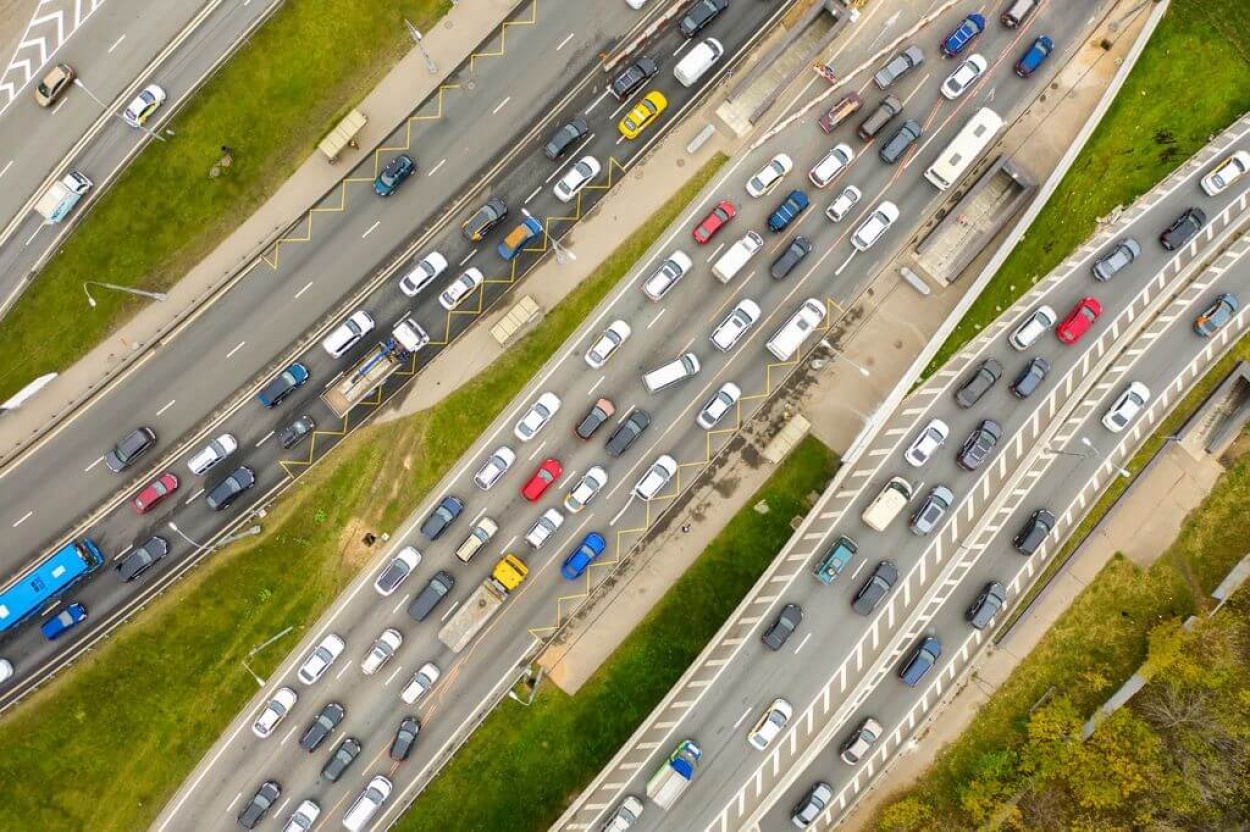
190, 368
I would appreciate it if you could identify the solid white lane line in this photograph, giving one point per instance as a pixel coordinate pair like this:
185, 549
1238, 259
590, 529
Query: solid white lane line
238, 347
434, 169
307, 286
166, 407
564, 42
370, 231
25, 517
500, 106
116, 44
92, 465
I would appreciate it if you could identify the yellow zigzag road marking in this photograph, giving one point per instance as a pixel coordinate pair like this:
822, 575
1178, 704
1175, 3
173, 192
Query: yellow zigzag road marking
503, 36
612, 163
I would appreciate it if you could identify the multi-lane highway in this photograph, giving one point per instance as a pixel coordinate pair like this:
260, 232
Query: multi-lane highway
116, 51
681, 321
1053, 442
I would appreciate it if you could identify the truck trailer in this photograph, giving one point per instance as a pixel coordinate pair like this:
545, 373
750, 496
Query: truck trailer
485, 601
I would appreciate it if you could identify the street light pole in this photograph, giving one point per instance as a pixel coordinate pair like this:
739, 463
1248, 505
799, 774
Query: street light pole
78, 83
415, 33
563, 253
157, 296
1085, 441
839, 355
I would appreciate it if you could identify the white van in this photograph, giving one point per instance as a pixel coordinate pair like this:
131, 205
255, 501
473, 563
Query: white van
791, 335
61, 197
666, 375
698, 61
367, 804
892, 499
732, 261
409, 334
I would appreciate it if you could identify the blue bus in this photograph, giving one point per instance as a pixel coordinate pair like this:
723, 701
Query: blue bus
48, 581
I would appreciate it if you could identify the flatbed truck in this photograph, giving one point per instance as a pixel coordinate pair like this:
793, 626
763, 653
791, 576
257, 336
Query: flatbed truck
672, 779
485, 601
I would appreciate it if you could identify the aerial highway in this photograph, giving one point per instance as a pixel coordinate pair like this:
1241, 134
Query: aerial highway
682, 320
1054, 453
115, 52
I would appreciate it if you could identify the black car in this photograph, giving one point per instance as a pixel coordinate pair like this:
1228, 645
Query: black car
1030, 378
484, 219
221, 495
129, 448
260, 804
699, 15
902, 139
139, 559
981, 380
1187, 225
799, 248
438, 588
344, 754
1030, 538
294, 433
595, 418
987, 605
443, 515
565, 137
322, 726
632, 77
405, 739
627, 433
783, 626
878, 585
979, 445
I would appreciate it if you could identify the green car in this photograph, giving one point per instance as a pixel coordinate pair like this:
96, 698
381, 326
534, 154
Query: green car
829, 567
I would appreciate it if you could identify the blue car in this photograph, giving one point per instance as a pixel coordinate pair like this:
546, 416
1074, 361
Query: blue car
286, 383
921, 661
958, 40
795, 204
394, 174
1035, 57
519, 237
64, 621
583, 556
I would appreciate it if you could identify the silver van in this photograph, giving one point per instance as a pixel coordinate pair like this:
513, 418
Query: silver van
1018, 12
732, 261
666, 375
785, 342
887, 504
367, 804
698, 61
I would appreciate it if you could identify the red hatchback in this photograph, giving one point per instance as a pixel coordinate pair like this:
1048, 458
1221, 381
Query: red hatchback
715, 221
547, 473
157, 490
1079, 320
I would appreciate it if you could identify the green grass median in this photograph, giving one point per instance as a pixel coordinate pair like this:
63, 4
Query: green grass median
524, 765
270, 104
131, 721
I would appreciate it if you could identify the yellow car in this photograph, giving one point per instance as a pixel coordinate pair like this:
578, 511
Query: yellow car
644, 112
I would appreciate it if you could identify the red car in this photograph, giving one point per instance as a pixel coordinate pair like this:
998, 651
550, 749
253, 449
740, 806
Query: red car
547, 473
157, 490
1079, 320
715, 221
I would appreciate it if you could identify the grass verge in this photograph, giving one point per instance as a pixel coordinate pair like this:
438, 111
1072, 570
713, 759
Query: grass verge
549, 751
144, 708
1159, 119
270, 104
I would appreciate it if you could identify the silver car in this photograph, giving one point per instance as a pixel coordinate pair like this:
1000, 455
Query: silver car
901, 64
1116, 260
926, 518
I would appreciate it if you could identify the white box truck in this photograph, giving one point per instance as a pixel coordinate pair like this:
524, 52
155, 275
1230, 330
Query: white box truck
62, 196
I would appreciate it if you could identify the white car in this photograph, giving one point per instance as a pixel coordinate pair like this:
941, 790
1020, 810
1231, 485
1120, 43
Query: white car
6, 670
144, 105
460, 288
1228, 172
540, 412
735, 324
770, 175
873, 228
381, 652
344, 336
1126, 407
830, 165
421, 683
591, 483
422, 274
666, 276
770, 724
303, 818
842, 206
397, 571
722, 401
964, 76
319, 661
927, 443
625, 815
577, 177
657, 476
1032, 328
608, 342
274, 712
635, 4
544, 528
494, 467
212, 453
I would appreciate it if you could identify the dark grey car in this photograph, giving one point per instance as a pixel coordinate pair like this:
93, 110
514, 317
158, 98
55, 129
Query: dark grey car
699, 16
260, 804
484, 219
1187, 225
322, 726
131, 446
799, 248
878, 585
981, 380
344, 754
783, 626
632, 77
979, 445
427, 599
987, 605
902, 139
901, 64
1030, 378
1030, 538
139, 559
441, 518
926, 518
565, 137
225, 492
627, 433
1119, 258
886, 110
294, 433
405, 739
